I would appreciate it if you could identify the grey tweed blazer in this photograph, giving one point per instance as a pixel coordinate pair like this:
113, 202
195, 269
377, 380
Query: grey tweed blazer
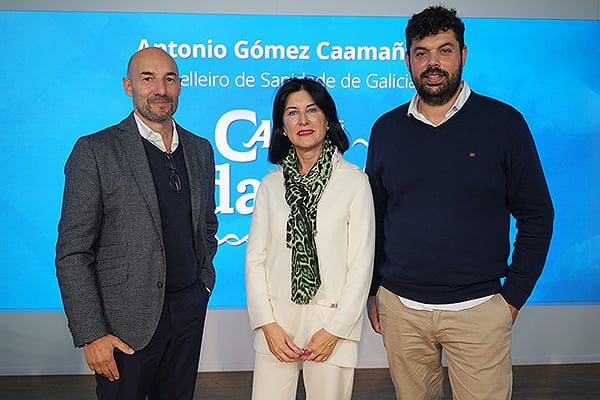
110, 263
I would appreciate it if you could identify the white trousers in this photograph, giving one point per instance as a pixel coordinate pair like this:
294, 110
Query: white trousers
275, 380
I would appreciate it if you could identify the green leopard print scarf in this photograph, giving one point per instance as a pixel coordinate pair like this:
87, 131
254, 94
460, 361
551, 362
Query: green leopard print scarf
302, 194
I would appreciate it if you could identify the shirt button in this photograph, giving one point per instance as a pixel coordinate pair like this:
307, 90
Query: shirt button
159, 284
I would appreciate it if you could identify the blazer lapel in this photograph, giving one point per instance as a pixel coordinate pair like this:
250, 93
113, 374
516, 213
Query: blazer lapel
131, 143
195, 168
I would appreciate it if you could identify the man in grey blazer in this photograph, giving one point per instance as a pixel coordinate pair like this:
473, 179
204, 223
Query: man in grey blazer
136, 241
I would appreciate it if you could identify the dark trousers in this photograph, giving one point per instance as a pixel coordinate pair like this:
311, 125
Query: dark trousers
167, 367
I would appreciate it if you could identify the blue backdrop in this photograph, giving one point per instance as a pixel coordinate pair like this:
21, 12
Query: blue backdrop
63, 70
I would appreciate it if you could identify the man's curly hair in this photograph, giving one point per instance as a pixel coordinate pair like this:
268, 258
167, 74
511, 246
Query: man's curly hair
433, 20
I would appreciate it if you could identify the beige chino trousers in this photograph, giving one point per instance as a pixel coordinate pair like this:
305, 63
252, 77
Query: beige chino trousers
476, 342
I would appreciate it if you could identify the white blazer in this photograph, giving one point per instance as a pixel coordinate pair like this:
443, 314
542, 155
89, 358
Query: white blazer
345, 241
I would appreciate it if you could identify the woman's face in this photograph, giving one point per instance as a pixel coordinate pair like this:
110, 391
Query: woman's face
304, 123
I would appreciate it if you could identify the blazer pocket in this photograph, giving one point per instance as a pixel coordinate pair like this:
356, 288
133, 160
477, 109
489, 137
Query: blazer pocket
113, 276
327, 303
112, 251
325, 309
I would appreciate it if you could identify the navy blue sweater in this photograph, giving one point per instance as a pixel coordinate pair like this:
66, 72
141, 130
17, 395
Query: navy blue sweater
176, 218
443, 199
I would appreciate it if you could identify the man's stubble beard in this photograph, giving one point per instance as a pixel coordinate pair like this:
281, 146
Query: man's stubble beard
146, 111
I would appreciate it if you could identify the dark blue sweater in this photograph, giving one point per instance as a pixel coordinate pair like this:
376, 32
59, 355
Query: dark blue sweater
443, 199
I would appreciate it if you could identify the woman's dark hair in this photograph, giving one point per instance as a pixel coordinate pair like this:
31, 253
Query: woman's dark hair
280, 144
431, 21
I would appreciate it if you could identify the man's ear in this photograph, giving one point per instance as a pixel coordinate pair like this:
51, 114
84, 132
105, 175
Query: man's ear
127, 86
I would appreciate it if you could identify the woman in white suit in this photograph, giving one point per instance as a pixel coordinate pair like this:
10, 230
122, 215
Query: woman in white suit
310, 252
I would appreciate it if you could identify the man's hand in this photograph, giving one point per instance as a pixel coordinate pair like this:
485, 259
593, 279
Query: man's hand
514, 311
280, 343
100, 355
320, 347
373, 314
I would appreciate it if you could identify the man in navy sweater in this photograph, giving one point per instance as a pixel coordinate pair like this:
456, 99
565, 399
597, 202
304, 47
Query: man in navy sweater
447, 171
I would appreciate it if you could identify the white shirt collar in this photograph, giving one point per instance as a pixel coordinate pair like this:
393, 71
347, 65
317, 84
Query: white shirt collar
154, 137
463, 96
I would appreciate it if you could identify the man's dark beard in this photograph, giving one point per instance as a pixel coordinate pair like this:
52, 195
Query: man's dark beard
442, 93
